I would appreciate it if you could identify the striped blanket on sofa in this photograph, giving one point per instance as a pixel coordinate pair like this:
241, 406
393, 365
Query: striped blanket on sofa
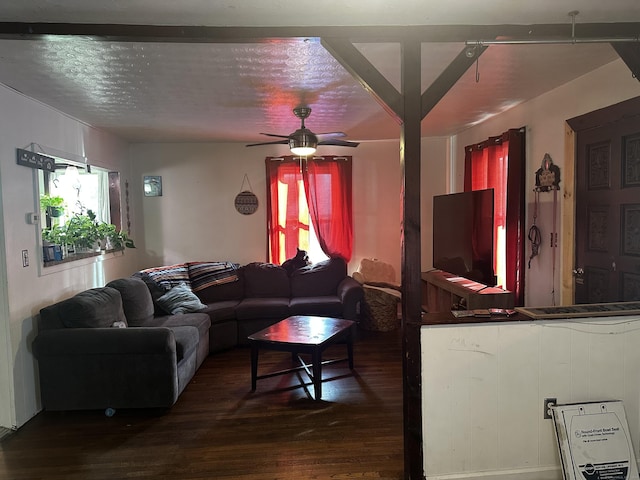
196, 275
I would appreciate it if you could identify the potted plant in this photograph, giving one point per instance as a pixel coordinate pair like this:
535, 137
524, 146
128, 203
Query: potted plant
53, 241
107, 232
120, 240
82, 232
115, 239
53, 205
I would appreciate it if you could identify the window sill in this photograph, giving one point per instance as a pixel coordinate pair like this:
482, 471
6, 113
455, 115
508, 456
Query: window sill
78, 260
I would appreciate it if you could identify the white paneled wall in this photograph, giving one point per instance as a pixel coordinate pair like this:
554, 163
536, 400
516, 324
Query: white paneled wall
483, 387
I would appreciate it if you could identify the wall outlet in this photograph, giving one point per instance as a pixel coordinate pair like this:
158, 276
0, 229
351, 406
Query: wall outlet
548, 403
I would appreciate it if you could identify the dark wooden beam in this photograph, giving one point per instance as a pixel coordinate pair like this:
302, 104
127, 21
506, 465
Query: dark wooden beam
406, 108
366, 74
630, 54
380, 33
449, 77
410, 154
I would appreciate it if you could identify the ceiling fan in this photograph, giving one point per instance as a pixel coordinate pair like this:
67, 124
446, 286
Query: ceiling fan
303, 141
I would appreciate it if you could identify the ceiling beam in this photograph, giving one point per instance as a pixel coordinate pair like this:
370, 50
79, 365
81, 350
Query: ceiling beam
630, 54
448, 78
379, 33
366, 74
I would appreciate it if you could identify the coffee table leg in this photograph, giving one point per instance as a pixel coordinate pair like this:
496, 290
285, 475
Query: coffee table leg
350, 349
316, 360
254, 366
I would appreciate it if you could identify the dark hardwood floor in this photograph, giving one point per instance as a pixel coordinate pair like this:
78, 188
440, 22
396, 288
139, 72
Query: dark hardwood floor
219, 429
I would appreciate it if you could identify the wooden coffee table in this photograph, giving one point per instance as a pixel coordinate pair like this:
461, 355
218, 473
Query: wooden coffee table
302, 334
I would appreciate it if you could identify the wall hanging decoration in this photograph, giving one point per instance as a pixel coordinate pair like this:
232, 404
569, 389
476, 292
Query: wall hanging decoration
246, 201
152, 186
547, 180
126, 200
35, 160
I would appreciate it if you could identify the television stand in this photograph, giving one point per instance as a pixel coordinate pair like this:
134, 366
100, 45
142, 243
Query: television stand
443, 292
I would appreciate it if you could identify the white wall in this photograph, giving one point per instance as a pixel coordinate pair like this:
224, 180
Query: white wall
483, 389
544, 118
23, 289
200, 182
195, 219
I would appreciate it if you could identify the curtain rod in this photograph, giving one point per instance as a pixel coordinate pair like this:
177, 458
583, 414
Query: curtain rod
573, 14
481, 43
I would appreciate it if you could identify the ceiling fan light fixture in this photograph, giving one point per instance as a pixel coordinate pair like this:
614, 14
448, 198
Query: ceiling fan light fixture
303, 142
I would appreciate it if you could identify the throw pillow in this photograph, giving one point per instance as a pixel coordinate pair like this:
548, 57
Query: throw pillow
180, 299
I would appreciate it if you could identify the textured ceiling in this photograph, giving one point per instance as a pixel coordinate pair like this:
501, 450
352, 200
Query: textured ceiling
146, 91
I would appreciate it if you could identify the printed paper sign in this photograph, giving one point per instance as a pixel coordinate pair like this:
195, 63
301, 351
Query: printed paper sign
594, 441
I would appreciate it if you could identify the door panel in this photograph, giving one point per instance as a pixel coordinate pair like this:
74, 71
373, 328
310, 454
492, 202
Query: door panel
608, 210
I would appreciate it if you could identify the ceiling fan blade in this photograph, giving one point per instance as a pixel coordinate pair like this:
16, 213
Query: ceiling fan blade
327, 135
339, 143
282, 142
274, 135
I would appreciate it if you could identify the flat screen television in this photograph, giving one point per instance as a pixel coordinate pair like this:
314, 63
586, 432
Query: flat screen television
463, 235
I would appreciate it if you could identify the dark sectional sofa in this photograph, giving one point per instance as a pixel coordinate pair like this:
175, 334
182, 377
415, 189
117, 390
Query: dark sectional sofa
243, 300
92, 354
138, 341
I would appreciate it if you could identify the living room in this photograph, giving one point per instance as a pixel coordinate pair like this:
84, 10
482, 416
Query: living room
195, 215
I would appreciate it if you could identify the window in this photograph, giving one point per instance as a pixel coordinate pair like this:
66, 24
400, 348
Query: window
80, 190
309, 207
80, 211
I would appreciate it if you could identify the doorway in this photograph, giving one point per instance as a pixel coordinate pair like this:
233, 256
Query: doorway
607, 198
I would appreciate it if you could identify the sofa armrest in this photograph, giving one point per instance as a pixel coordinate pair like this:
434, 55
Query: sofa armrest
97, 368
96, 341
350, 293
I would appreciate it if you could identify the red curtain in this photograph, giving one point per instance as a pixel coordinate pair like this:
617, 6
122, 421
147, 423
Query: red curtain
284, 180
499, 163
327, 189
327, 184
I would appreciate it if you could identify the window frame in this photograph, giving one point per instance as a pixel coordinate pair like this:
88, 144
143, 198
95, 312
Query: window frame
113, 209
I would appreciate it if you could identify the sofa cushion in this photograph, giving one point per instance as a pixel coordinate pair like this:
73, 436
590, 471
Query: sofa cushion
198, 320
208, 274
273, 307
136, 299
221, 311
319, 279
93, 308
326, 306
168, 276
180, 299
263, 280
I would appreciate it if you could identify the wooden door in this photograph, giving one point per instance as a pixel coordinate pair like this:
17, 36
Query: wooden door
607, 233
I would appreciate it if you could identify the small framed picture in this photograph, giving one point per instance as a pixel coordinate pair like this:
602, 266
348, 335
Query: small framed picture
152, 186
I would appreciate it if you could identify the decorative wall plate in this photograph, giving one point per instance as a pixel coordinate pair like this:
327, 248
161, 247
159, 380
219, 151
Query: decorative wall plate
246, 202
